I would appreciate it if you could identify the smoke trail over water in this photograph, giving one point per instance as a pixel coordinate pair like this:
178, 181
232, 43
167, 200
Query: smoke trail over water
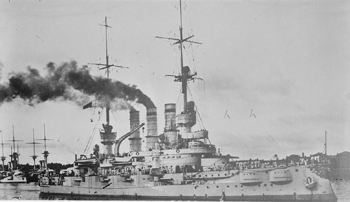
67, 82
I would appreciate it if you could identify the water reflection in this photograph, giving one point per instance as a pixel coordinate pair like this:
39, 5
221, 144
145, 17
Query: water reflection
342, 190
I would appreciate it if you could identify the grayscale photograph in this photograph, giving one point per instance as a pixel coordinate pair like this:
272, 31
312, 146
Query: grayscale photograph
175, 100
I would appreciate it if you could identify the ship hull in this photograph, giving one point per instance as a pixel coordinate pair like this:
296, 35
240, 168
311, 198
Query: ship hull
147, 194
229, 189
19, 180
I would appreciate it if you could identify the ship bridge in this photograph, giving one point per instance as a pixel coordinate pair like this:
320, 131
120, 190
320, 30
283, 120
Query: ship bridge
200, 147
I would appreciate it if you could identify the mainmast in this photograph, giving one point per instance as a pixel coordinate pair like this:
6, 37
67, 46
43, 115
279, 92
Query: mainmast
185, 75
34, 143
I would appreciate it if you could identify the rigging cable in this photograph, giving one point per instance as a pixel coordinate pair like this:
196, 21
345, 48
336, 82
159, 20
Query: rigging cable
240, 136
91, 137
200, 118
119, 120
178, 98
254, 116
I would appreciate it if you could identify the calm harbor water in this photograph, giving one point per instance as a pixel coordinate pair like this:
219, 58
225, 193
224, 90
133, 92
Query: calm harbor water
31, 191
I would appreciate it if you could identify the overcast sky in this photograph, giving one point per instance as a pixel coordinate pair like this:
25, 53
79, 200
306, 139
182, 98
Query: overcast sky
288, 61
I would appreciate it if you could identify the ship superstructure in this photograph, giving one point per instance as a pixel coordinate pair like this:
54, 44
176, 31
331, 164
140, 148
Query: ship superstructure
179, 164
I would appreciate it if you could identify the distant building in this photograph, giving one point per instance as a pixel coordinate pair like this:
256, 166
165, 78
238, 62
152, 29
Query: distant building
320, 158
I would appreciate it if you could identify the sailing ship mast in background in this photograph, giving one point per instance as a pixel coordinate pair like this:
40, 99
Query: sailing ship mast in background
34, 156
325, 143
46, 153
14, 155
3, 157
107, 136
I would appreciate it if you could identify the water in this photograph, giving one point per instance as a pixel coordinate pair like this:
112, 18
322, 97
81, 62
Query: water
23, 191
342, 190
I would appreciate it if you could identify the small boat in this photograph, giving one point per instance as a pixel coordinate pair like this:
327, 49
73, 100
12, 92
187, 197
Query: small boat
16, 177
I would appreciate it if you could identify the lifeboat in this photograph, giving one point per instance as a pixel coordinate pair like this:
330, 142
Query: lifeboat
310, 183
83, 161
77, 180
104, 179
280, 176
249, 178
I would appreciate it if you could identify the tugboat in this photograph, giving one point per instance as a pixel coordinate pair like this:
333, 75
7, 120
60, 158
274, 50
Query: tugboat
179, 164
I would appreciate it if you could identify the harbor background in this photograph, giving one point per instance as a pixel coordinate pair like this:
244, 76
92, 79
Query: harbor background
31, 191
294, 63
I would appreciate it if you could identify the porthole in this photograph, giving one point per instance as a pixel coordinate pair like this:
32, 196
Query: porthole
235, 185
265, 185
228, 186
217, 186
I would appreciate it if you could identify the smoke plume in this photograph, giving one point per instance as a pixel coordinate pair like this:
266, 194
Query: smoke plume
67, 82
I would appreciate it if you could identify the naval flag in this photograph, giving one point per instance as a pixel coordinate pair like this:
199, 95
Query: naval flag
88, 105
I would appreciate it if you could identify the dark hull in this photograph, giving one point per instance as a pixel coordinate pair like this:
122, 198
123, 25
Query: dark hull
32, 178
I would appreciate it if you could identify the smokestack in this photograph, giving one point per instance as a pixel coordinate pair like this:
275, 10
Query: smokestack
135, 140
170, 132
152, 132
170, 114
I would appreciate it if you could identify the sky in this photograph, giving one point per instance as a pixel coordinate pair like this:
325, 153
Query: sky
274, 75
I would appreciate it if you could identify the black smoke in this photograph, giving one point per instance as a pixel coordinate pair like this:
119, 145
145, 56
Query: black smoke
64, 82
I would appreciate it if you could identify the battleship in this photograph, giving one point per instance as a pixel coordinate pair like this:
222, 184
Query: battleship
179, 164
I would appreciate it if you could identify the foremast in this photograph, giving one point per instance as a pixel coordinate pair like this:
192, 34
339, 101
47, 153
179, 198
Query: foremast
108, 138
